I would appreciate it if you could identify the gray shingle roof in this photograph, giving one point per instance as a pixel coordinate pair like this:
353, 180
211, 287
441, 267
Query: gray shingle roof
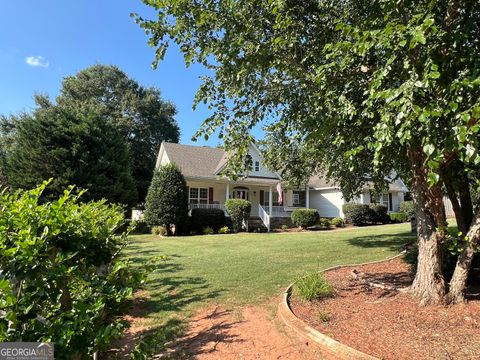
195, 161
319, 181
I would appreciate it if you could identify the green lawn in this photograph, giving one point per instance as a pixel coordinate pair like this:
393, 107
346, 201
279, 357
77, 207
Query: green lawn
234, 270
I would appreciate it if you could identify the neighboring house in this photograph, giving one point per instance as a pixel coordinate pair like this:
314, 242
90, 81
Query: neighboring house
202, 168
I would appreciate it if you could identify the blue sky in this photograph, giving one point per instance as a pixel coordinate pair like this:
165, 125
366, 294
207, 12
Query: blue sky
43, 41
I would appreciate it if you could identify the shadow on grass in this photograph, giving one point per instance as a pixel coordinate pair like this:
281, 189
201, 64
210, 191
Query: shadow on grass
395, 242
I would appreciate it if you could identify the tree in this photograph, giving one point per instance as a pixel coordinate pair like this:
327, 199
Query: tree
350, 88
141, 115
72, 146
167, 199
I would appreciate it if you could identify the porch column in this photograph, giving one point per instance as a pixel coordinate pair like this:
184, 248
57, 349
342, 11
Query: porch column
227, 193
307, 197
270, 198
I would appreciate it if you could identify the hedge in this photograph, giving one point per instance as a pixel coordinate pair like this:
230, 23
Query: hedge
380, 213
203, 218
398, 217
359, 214
406, 207
305, 218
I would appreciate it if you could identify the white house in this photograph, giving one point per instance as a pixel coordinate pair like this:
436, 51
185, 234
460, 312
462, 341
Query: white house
207, 188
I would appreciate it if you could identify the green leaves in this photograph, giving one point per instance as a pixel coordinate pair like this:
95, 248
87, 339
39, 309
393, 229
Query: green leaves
62, 280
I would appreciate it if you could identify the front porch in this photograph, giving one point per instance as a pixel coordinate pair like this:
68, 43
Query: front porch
260, 192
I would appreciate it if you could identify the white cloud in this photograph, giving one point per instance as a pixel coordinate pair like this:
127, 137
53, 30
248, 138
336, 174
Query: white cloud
39, 61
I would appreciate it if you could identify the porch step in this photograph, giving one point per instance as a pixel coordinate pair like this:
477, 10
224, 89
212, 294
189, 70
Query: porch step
255, 224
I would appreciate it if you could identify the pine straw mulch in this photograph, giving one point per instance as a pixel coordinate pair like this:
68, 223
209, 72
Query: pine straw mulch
389, 324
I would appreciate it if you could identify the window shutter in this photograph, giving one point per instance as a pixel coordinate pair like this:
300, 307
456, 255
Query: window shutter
210, 195
390, 202
262, 197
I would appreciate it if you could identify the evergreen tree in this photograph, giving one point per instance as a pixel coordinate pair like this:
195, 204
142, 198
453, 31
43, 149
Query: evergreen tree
71, 146
141, 115
167, 200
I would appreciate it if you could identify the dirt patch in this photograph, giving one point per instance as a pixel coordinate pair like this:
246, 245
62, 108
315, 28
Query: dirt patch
247, 333
387, 323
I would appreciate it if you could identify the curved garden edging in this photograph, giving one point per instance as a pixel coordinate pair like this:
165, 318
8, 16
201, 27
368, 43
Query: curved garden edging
323, 341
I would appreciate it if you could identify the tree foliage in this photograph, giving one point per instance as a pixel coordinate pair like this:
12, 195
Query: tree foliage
239, 212
140, 113
62, 279
167, 199
355, 89
74, 146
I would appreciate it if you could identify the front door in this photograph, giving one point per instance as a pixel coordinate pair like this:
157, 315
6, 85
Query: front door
241, 194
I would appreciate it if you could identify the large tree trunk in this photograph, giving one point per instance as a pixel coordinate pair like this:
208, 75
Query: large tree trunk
459, 279
429, 283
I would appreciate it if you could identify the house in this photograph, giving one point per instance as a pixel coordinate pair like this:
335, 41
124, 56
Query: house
202, 168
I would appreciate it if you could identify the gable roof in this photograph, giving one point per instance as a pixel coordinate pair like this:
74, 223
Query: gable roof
195, 161
320, 182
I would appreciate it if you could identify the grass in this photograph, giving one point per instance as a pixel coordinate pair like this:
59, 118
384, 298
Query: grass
312, 286
240, 269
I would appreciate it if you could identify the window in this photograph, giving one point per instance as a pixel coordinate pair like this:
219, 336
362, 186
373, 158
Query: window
257, 165
198, 196
248, 162
299, 198
382, 199
296, 199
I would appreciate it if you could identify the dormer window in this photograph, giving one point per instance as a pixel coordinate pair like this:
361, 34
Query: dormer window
249, 162
257, 165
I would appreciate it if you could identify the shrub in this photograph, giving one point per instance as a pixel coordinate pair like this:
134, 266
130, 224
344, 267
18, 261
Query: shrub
159, 230
358, 214
407, 208
224, 230
338, 222
167, 201
208, 231
239, 211
202, 218
284, 227
325, 222
398, 217
312, 286
379, 213
305, 218
65, 260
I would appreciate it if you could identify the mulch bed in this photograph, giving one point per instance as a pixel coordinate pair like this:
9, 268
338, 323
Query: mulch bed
387, 323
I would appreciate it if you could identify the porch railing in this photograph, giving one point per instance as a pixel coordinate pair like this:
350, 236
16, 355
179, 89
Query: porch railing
209, 206
263, 215
280, 211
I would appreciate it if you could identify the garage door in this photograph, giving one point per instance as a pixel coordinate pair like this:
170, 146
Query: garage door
328, 203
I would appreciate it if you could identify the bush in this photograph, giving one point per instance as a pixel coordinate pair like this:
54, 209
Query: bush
224, 230
312, 286
305, 218
338, 222
208, 231
284, 227
202, 218
159, 230
407, 208
325, 222
239, 211
358, 214
380, 213
167, 200
398, 217
65, 260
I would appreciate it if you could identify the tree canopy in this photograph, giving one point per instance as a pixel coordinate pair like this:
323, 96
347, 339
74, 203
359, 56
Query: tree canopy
72, 146
134, 121
140, 113
359, 90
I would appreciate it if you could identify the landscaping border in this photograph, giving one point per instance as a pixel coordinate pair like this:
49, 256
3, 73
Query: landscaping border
306, 332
